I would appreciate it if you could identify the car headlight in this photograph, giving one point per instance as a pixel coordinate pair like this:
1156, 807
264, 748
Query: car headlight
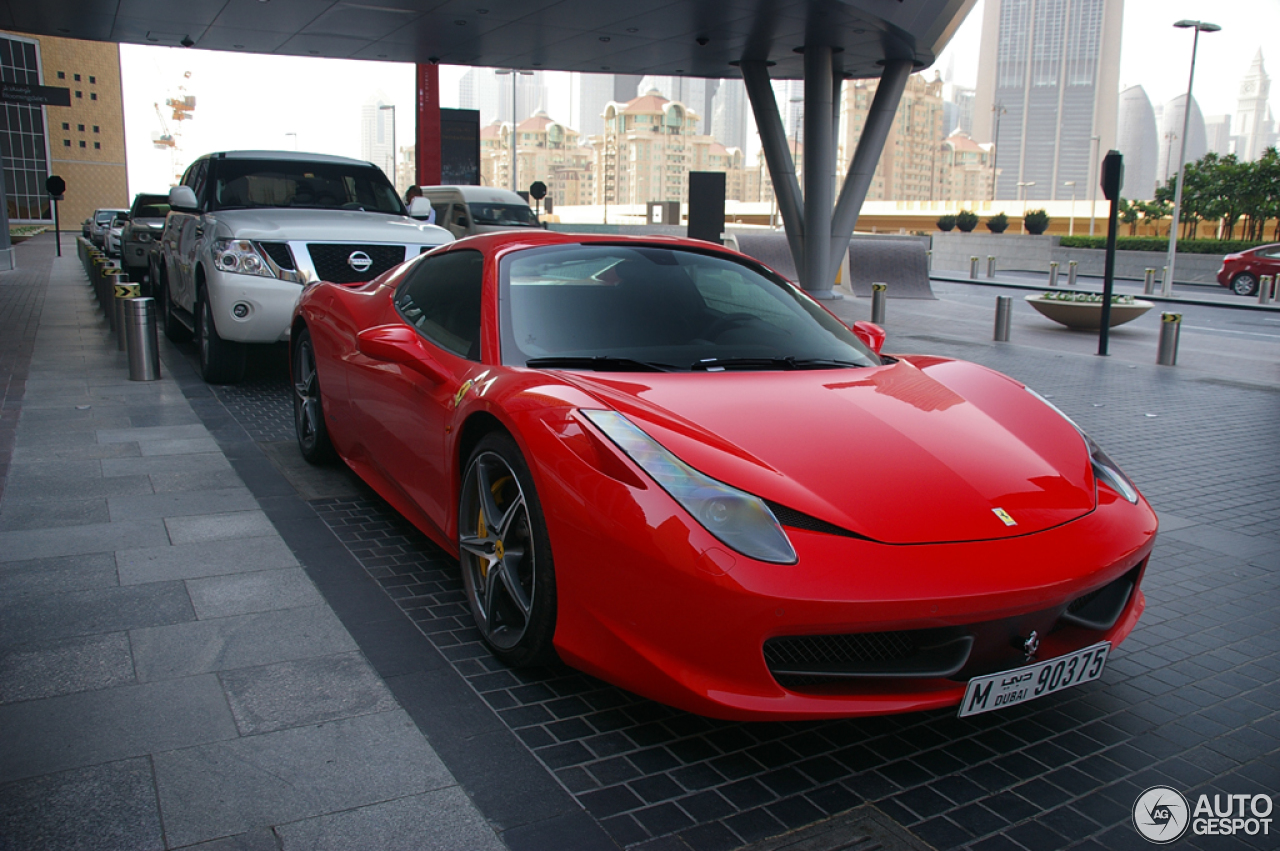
142, 235
240, 256
1103, 467
741, 521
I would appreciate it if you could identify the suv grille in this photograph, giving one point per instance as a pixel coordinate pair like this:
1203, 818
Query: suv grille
279, 252
330, 261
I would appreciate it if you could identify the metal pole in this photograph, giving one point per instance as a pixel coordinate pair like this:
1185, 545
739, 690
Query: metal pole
1071, 274
973, 267
1093, 180
1166, 288
1004, 309
1053, 273
143, 341
991, 266
57, 228
1170, 326
819, 159
877, 303
1148, 281
1264, 289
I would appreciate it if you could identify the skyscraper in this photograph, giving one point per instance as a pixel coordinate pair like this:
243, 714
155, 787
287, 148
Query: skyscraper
490, 93
589, 95
1170, 137
729, 114
377, 134
1256, 128
1047, 78
1138, 141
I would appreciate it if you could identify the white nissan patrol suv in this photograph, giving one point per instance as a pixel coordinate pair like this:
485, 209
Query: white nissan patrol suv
247, 229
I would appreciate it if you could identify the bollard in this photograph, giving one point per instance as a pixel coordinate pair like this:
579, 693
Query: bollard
1166, 285
143, 342
1265, 284
106, 294
973, 267
877, 303
1071, 274
928, 260
122, 292
991, 266
1053, 273
1149, 281
1170, 325
1004, 308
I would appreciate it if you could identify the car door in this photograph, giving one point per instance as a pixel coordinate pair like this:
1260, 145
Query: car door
182, 235
403, 413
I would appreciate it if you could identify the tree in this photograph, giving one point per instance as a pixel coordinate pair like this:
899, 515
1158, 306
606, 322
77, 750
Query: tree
947, 222
998, 223
1154, 211
966, 220
1129, 215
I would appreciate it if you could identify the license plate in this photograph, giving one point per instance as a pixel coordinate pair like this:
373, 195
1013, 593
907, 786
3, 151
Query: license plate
1008, 688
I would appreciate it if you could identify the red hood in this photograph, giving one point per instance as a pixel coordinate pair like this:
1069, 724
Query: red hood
919, 452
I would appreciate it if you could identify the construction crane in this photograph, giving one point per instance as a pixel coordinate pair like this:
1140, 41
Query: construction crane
181, 108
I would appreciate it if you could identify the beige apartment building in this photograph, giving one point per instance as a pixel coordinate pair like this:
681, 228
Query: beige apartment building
546, 150
83, 143
909, 168
965, 169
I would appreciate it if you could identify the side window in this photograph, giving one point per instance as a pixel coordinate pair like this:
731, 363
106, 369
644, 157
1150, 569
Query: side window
198, 179
441, 298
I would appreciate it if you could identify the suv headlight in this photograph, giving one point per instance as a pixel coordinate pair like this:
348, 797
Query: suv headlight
1103, 467
240, 256
738, 519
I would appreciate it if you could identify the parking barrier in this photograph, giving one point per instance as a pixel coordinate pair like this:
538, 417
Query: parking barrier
1149, 281
1053, 273
123, 292
1004, 308
1071, 274
973, 267
991, 266
877, 302
1266, 286
111, 276
143, 341
1170, 327
928, 260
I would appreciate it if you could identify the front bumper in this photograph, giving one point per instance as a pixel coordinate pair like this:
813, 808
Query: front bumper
268, 305
650, 601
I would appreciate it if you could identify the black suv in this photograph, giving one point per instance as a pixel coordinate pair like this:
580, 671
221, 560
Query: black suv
141, 233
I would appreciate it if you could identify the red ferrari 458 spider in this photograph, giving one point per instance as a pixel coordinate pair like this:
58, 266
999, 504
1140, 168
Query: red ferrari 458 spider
660, 462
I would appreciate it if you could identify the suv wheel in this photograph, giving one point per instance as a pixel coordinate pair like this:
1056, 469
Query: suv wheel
221, 361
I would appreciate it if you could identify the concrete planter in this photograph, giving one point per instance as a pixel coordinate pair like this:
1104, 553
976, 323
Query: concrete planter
1087, 315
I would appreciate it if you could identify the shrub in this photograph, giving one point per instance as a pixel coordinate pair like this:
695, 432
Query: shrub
1161, 244
947, 222
966, 221
1036, 221
998, 223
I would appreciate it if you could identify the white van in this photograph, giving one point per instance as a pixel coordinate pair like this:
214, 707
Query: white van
468, 210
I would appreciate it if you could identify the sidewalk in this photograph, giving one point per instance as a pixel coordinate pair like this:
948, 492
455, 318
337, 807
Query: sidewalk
169, 674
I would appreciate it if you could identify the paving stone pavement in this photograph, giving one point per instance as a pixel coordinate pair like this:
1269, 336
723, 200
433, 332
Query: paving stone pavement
170, 676
556, 759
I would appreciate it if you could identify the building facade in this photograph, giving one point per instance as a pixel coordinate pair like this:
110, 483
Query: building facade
1139, 142
1169, 131
1048, 81
909, 167
546, 150
1255, 126
83, 143
964, 170
377, 135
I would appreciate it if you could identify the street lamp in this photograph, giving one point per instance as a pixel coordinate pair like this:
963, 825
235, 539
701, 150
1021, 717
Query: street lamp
1071, 226
392, 107
515, 186
1022, 194
1093, 179
1166, 287
999, 110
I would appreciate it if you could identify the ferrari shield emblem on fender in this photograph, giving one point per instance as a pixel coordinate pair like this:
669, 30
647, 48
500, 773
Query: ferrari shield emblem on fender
462, 391
1004, 517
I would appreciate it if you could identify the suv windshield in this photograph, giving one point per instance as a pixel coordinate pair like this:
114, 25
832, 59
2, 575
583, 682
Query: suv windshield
628, 308
150, 207
504, 214
241, 184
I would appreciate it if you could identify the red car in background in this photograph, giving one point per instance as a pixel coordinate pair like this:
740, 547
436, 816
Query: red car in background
1240, 272
663, 464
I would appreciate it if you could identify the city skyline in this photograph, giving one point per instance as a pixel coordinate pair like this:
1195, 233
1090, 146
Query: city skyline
262, 101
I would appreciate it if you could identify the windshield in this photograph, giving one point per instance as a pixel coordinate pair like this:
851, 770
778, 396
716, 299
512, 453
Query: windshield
242, 184
624, 307
507, 215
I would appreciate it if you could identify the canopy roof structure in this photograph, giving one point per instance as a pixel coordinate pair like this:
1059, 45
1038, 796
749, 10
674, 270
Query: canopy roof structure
695, 37
823, 42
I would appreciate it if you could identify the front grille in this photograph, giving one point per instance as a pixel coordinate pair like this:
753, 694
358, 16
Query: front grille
805, 660
280, 253
840, 649
330, 261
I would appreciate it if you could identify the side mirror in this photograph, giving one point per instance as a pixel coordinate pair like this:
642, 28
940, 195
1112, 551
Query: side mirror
871, 335
183, 198
399, 344
419, 208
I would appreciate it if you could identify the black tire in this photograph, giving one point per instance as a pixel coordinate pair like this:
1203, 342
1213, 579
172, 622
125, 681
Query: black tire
173, 327
221, 361
506, 566
308, 406
1244, 284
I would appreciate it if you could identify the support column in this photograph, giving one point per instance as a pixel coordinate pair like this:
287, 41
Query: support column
819, 167
427, 138
782, 170
893, 82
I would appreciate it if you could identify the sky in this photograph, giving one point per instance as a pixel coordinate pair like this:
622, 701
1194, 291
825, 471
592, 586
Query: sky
248, 101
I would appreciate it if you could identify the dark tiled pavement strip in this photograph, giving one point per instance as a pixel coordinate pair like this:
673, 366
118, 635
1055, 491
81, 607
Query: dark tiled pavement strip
556, 759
